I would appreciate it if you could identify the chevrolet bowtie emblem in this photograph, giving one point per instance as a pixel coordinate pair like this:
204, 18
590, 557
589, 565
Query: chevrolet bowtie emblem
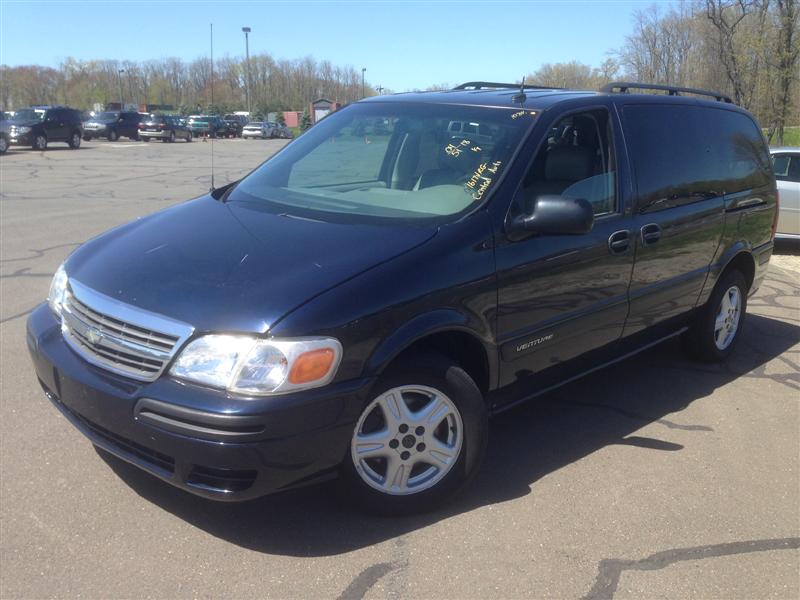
95, 336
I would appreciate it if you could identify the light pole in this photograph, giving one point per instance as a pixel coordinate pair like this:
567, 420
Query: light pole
119, 81
246, 31
363, 70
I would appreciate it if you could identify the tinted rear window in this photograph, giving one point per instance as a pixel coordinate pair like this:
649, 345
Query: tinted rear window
683, 154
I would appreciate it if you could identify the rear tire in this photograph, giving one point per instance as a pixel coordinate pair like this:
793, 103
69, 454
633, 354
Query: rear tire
145, 139
74, 140
413, 469
716, 329
171, 137
3, 144
189, 137
40, 142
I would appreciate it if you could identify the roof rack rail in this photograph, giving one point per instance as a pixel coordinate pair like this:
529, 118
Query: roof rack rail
488, 85
622, 87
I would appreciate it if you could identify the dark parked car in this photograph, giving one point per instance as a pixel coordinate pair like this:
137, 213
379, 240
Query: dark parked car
40, 125
207, 126
282, 131
165, 128
360, 307
113, 125
233, 127
5, 139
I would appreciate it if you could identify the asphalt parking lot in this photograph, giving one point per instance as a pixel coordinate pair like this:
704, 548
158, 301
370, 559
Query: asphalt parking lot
656, 478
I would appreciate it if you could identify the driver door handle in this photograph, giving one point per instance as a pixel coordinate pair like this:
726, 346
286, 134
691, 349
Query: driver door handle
619, 242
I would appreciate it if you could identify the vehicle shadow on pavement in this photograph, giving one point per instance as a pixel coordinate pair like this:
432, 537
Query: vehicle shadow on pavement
526, 443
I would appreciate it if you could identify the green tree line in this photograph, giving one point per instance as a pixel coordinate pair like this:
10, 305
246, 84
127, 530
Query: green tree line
274, 84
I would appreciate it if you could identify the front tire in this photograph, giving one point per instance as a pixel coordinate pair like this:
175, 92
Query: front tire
171, 137
419, 440
717, 328
3, 144
75, 140
40, 142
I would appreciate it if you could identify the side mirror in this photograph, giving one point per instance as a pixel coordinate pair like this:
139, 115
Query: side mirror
554, 215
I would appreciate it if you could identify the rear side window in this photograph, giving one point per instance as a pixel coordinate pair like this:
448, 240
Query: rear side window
683, 154
787, 167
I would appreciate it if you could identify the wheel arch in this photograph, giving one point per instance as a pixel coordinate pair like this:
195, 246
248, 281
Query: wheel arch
446, 332
737, 256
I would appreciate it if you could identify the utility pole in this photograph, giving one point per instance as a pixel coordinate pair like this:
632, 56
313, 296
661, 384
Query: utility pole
119, 81
380, 89
363, 71
246, 31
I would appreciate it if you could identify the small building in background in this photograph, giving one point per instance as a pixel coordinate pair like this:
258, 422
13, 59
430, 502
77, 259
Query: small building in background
292, 117
321, 108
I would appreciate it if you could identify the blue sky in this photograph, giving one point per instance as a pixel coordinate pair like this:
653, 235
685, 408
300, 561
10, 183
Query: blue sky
403, 44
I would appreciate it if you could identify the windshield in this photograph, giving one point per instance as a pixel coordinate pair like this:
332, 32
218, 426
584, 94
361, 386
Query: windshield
389, 160
106, 116
29, 114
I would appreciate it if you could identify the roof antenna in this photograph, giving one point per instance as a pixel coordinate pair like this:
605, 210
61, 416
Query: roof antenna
212, 105
521, 97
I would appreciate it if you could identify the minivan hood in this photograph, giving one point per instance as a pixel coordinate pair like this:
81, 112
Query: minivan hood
230, 267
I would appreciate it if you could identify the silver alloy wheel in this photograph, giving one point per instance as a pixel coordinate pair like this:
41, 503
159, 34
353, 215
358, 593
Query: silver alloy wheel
76, 140
727, 322
407, 440
3, 145
40, 142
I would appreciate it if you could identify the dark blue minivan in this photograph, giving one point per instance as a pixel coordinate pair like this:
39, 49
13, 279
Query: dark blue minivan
361, 303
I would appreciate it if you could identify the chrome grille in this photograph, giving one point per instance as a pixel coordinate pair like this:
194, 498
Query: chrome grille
117, 336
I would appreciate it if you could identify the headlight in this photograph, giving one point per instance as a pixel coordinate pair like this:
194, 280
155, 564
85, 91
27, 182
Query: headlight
259, 367
23, 130
58, 289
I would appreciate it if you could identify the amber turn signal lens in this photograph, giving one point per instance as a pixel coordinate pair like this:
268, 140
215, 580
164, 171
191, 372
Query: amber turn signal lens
311, 366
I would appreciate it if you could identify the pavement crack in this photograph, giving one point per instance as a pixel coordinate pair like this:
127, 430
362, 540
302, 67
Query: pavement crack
24, 272
38, 253
610, 569
364, 581
16, 316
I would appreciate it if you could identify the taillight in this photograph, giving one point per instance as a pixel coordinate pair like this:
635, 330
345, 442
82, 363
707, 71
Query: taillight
140, 126
162, 126
777, 211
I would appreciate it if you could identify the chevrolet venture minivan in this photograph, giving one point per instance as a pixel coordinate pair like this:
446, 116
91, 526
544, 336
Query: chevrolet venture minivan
361, 303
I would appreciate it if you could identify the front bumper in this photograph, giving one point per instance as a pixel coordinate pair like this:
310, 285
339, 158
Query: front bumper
95, 133
24, 139
203, 441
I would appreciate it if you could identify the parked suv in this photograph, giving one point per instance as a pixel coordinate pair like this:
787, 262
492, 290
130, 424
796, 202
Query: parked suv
5, 139
361, 307
40, 125
113, 125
